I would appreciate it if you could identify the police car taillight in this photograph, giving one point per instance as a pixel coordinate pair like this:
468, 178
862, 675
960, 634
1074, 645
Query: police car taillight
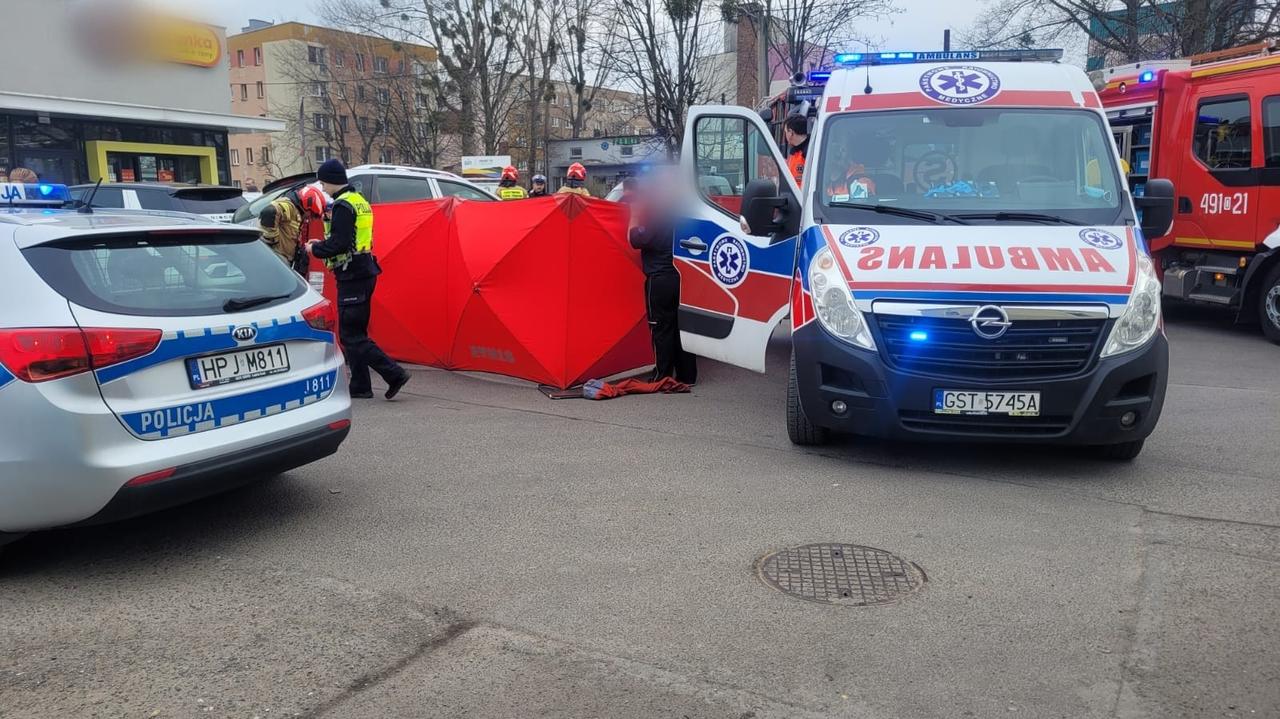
321, 316
40, 354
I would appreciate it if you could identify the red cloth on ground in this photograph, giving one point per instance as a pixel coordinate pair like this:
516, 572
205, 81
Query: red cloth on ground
609, 390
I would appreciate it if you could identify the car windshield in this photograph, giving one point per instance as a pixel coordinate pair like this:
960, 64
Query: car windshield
1056, 164
170, 274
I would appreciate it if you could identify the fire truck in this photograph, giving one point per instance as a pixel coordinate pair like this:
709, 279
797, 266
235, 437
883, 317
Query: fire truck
1211, 124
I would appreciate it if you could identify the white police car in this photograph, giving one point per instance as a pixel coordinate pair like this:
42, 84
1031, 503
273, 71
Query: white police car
962, 260
148, 359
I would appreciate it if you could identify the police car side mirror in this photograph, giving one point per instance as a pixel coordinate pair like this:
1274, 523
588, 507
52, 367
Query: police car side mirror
763, 211
1156, 208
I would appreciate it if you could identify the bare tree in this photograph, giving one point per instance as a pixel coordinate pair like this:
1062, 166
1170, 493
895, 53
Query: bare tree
540, 26
659, 46
479, 54
1126, 31
588, 61
805, 34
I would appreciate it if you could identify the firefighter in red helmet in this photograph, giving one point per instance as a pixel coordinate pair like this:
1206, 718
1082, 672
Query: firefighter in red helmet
508, 187
575, 180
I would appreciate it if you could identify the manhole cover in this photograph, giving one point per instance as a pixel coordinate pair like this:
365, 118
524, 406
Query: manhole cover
841, 574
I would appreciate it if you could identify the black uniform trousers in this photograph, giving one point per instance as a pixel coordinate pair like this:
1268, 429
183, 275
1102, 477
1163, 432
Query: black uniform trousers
662, 302
363, 353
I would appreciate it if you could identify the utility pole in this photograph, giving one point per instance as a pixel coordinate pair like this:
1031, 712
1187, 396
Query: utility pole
762, 48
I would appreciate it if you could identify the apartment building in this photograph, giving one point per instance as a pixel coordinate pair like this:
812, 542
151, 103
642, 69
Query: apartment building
355, 97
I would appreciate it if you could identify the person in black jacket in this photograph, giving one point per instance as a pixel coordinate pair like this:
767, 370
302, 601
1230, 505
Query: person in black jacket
348, 252
652, 232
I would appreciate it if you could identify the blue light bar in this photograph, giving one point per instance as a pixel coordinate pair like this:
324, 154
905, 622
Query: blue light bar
28, 194
819, 76
919, 335
893, 58
1147, 76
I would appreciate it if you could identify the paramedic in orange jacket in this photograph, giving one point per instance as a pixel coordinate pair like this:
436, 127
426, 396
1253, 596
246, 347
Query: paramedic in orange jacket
796, 134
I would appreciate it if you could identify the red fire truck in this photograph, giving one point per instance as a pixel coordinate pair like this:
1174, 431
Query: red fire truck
1211, 124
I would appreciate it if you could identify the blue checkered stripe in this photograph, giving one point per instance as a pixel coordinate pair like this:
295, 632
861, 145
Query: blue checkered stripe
225, 411
5, 376
190, 343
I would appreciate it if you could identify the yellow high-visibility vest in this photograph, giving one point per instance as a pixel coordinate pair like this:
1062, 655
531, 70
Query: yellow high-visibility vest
364, 228
515, 192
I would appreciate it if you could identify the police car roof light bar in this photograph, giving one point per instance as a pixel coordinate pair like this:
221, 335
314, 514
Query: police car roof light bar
34, 194
855, 59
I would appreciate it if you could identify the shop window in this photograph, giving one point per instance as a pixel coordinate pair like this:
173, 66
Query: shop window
4, 148
380, 65
49, 149
235, 157
257, 56
1222, 139
262, 91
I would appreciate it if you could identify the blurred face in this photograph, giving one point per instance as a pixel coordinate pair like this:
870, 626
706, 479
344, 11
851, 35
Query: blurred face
539, 184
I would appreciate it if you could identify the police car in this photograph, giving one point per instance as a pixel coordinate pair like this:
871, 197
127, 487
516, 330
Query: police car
148, 359
960, 261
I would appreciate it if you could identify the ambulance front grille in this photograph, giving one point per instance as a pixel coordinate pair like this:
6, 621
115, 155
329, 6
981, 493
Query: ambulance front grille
948, 347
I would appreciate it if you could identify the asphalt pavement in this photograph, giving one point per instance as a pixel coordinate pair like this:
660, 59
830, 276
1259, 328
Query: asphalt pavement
477, 550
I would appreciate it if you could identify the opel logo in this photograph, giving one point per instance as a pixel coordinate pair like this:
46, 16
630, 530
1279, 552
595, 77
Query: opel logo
990, 322
246, 333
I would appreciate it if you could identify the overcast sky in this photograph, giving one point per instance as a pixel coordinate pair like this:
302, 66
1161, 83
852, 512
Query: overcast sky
918, 27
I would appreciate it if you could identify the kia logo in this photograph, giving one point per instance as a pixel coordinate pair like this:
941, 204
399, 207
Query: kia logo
990, 322
244, 334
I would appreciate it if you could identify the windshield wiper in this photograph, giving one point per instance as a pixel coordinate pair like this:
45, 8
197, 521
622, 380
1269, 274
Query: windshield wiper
933, 217
239, 304
1020, 217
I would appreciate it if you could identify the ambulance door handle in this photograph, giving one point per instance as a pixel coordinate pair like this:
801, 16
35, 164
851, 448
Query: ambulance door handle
694, 245
1184, 205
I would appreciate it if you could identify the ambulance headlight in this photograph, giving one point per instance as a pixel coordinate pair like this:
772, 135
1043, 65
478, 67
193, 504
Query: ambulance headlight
1141, 318
834, 303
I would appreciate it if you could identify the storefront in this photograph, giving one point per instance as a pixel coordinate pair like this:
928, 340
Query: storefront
90, 114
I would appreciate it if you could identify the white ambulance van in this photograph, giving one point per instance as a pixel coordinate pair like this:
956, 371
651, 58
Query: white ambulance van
960, 261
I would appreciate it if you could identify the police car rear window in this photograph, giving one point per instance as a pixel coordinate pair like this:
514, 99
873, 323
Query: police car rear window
164, 274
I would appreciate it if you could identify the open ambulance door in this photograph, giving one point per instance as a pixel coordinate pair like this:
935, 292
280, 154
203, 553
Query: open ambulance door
734, 286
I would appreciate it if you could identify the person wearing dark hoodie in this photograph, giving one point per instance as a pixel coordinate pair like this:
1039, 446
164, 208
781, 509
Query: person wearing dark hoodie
348, 252
652, 231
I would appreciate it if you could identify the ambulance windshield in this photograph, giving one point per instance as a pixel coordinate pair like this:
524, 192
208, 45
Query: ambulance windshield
979, 161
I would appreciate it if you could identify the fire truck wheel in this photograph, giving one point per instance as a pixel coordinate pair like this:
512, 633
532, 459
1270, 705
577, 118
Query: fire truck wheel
1269, 308
799, 428
1123, 452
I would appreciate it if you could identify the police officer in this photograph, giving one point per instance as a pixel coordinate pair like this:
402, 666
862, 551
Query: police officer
348, 253
539, 188
508, 187
796, 134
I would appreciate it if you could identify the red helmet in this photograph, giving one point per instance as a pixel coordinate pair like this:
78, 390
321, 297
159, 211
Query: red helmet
509, 173
576, 172
312, 200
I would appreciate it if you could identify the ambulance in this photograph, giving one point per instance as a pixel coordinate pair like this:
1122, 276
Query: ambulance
960, 261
